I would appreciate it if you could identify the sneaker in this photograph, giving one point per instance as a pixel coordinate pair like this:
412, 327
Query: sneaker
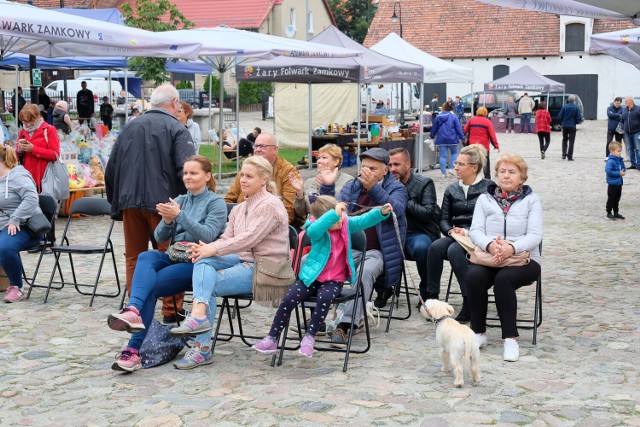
542, 155
127, 320
172, 319
481, 339
610, 216
191, 326
128, 361
267, 346
618, 216
306, 346
383, 297
511, 350
13, 294
339, 338
194, 358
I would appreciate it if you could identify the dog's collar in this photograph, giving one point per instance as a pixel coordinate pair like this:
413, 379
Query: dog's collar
436, 321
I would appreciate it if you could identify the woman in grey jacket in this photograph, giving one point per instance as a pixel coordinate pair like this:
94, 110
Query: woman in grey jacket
507, 220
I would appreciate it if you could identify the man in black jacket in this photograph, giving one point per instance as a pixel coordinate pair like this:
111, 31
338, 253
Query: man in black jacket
84, 101
422, 211
144, 169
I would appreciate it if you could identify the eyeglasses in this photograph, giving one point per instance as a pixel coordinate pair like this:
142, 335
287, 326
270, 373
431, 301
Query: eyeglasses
463, 164
263, 146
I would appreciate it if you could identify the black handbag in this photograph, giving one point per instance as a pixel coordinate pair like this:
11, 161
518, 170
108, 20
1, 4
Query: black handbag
159, 346
38, 225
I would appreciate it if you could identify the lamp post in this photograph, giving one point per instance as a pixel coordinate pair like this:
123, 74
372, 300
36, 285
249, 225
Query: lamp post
398, 18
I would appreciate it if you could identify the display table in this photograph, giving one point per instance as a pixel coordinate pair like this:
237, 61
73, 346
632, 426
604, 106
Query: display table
500, 124
409, 144
340, 139
75, 194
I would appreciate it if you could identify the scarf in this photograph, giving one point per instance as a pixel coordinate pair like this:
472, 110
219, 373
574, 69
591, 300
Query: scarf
505, 200
32, 129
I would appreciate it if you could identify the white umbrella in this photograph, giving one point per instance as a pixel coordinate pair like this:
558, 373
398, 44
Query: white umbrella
596, 9
222, 45
623, 45
43, 32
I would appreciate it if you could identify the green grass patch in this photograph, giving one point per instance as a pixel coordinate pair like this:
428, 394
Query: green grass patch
292, 155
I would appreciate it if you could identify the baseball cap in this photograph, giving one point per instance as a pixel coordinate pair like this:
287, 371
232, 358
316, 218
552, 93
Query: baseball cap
376, 153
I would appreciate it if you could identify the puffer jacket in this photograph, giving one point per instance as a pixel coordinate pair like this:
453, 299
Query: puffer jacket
614, 166
456, 210
614, 115
521, 225
318, 231
423, 212
447, 128
389, 191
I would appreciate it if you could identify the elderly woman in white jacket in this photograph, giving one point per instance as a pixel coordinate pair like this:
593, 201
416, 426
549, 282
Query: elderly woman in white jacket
507, 220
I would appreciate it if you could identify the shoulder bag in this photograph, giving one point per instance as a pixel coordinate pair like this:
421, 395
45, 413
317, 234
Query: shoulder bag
481, 257
36, 225
55, 181
178, 252
619, 128
271, 280
160, 346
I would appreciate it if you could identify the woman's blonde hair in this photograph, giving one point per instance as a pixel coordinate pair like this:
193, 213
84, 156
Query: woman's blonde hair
482, 111
8, 156
321, 204
517, 160
205, 165
265, 170
334, 151
477, 155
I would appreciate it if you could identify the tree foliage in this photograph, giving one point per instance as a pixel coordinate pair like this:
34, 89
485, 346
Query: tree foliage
251, 92
184, 84
147, 15
353, 17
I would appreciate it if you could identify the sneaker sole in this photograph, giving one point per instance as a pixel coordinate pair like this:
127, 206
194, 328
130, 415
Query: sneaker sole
269, 352
337, 345
119, 368
183, 334
305, 355
118, 324
187, 367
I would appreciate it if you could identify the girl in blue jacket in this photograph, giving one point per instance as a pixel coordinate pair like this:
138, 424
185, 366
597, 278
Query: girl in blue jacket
328, 265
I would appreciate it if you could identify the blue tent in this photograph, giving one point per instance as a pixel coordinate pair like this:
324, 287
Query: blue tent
106, 15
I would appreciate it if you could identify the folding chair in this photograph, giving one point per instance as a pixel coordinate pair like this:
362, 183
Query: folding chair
89, 206
225, 307
355, 293
401, 287
523, 323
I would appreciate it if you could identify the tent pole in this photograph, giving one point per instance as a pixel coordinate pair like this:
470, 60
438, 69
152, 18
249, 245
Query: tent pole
221, 69
237, 127
15, 95
421, 136
110, 94
210, 102
126, 95
310, 147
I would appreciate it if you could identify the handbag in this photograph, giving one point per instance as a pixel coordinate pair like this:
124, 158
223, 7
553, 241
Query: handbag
271, 280
37, 225
55, 181
159, 346
481, 257
464, 241
619, 128
178, 252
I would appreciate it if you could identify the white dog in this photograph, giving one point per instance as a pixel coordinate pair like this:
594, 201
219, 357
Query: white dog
458, 345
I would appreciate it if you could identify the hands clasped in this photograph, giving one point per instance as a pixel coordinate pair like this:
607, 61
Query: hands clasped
501, 249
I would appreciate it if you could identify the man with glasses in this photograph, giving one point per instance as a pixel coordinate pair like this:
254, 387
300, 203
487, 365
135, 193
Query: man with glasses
144, 169
267, 146
422, 213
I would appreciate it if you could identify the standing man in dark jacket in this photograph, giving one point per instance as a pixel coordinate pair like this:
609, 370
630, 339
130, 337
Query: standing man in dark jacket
144, 169
614, 114
569, 117
375, 186
84, 101
422, 213
631, 126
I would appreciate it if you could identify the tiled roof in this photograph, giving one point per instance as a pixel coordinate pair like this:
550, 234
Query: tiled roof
469, 29
233, 13
608, 25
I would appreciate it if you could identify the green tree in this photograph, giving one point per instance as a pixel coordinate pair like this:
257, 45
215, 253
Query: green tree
353, 17
147, 14
184, 84
251, 92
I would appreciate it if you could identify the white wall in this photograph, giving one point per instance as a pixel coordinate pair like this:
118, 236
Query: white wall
615, 78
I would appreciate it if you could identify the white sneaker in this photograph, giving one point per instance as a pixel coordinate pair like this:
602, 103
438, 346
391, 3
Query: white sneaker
481, 339
511, 350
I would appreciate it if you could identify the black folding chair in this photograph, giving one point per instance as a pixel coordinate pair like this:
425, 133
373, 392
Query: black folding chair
89, 206
355, 293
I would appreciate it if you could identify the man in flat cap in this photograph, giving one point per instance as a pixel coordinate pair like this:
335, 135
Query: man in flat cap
375, 186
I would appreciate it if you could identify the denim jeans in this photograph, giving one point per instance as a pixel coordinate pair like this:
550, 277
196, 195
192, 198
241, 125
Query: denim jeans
444, 149
219, 276
525, 121
442, 249
416, 249
156, 276
632, 141
10, 247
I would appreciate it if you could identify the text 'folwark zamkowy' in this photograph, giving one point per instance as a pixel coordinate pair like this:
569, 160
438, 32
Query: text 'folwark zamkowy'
53, 30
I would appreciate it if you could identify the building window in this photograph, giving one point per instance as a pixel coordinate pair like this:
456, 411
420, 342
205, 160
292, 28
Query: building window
310, 23
293, 18
574, 38
500, 71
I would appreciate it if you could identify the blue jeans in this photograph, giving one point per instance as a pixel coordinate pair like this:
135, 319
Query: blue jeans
10, 247
525, 121
632, 141
444, 150
155, 276
416, 248
442, 249
219, 276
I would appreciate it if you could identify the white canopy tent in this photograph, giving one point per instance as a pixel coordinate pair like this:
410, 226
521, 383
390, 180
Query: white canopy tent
623, 45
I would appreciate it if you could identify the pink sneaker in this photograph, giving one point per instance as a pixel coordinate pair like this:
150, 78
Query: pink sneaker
13, 294
128, 361
127, 320
306, 346
266, 346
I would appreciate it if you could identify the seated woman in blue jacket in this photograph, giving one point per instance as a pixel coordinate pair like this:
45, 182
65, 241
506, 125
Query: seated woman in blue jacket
328, 265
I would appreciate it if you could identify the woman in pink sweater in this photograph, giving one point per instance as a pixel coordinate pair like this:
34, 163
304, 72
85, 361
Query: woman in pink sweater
257, 226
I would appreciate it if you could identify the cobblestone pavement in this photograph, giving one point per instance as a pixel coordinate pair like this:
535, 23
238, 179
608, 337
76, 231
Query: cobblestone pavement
56, 357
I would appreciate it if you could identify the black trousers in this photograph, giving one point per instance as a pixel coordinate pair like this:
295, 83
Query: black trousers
610, 136
505, 282
614, 193
544, 138
568, 138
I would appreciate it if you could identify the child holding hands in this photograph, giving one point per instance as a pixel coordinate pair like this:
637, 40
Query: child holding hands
328, 265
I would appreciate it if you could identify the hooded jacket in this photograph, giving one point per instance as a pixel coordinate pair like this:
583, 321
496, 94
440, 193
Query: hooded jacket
614, 166
18, 197
447, 128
